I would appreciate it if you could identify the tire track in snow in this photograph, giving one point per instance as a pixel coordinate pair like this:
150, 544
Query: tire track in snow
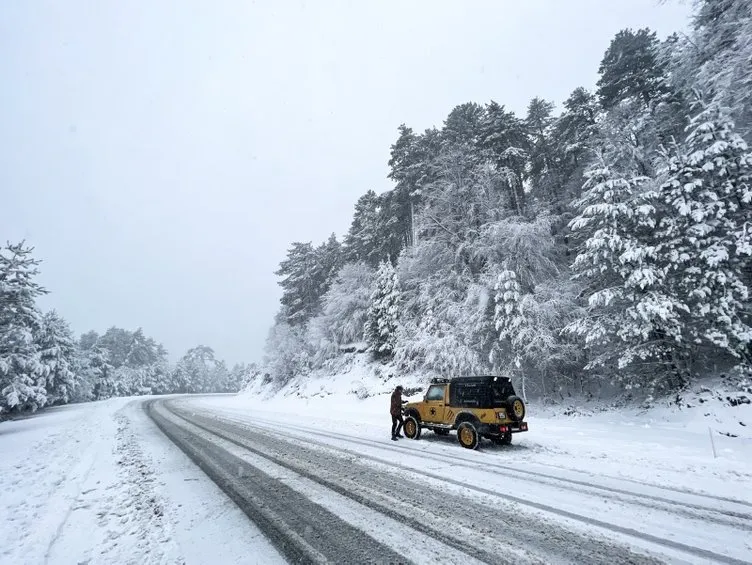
549, 478
650, 538
477, 524
302, 530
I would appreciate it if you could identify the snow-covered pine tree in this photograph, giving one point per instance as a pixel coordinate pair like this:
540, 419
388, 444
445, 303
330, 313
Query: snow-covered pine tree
101, 373
631, 69
707, 234
22, 375
160, 378
722, 51
383, 313
199, 371
59, 357
307, 273
508, 317
633, 327
143, 351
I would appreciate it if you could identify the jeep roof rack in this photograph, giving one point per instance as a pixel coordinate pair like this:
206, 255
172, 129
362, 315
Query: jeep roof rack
446, 380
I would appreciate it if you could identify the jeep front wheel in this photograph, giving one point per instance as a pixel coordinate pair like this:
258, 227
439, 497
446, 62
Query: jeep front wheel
412, 428
467, 435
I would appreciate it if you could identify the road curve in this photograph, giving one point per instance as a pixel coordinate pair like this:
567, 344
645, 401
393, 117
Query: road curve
323, 505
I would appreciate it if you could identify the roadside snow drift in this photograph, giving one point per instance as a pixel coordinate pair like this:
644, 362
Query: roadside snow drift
98, 483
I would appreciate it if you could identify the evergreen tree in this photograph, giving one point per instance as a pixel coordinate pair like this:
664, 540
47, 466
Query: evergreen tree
378, 227
508, 317
330, 259
362, 239
504, 139
572, 139
307, 274
463, 126
143, 351
630, 69
543, 169
22, 375
633, 326
383, 313
101, 373
58, 355
198, 371
719, 58
300, 283
117, 342
88, 340
706, 233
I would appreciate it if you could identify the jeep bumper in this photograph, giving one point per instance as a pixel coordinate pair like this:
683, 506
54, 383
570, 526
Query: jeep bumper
501, 429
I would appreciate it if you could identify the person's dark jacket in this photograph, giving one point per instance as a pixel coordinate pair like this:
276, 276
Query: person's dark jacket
397, 402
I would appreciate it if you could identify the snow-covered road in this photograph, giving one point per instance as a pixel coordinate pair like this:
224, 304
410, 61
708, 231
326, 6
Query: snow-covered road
100, 483
490, 506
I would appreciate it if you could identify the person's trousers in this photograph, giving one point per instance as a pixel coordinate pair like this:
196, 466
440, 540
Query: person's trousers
397, 423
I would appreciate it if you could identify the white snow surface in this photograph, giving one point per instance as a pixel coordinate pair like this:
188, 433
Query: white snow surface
665, 445
99, 483
696, 452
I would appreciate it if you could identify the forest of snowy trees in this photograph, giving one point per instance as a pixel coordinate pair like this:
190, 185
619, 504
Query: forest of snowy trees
42, 363
606, 241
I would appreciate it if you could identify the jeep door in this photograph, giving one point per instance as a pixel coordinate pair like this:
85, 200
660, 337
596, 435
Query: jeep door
434, 404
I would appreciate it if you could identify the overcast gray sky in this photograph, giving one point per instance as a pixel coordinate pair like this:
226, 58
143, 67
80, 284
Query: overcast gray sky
161, 155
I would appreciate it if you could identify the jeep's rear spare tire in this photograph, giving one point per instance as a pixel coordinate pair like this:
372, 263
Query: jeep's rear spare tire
516, 408
412, 428
467, 434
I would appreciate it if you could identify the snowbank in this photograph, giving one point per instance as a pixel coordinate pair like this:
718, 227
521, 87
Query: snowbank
98, 483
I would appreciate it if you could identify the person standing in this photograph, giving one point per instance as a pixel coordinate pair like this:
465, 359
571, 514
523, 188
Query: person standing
396, 412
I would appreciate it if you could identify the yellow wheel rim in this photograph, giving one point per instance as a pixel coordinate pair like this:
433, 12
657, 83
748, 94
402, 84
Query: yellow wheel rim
409, 428
518, 408
466, 435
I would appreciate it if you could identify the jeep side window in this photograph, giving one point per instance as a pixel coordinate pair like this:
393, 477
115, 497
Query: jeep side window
435, 393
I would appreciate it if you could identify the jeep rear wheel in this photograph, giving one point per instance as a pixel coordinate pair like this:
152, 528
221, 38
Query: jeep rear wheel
411, 428
467, 435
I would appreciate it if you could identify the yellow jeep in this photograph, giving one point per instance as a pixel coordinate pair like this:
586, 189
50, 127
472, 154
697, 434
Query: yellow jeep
474, 406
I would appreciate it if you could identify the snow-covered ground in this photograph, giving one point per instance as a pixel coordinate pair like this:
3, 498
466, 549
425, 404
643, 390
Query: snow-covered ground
702, 445
648, 480
98, 483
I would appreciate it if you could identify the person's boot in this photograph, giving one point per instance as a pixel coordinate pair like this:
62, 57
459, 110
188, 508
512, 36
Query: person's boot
399, 435
394, 438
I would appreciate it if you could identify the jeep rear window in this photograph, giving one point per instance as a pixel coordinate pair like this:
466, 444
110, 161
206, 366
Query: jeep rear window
500, 391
